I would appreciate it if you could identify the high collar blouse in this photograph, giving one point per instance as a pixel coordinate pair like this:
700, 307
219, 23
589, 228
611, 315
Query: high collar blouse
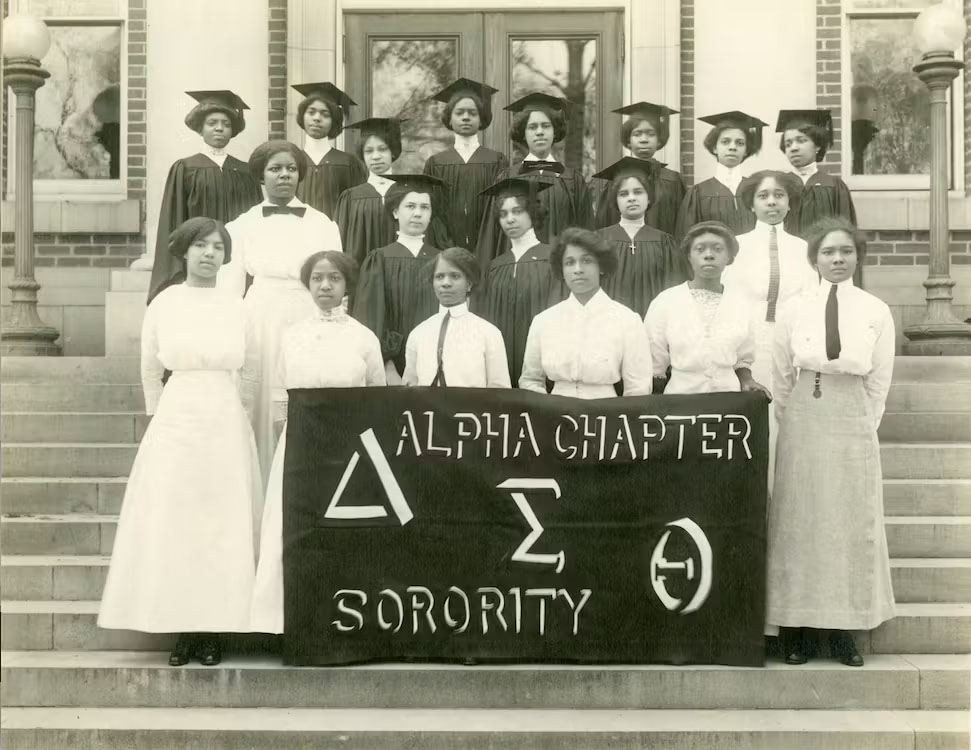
730, 177
585, 349
466, 146
473, 354
867, 339
316, 148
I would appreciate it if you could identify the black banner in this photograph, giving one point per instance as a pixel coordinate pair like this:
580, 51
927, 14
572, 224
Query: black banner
504, 525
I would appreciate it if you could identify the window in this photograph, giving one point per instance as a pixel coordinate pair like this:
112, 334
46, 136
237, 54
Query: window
79, 133
886, 104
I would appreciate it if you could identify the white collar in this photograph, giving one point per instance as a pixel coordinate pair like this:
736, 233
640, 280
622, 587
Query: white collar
456, 311
520, 246
598, 299
466, 143
379, 182
533, 157
336, 314
414, 244
841, 287
729, 177
762, 228
294, 202
218, 155
806, 172
632, 227
316, 148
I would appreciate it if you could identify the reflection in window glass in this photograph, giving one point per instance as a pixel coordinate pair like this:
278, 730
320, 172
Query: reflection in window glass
565, 68
78, 113
404, 73
890, 105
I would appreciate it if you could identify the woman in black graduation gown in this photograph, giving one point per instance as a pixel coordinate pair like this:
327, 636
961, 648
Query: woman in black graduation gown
519, 283
648, 260
211, 183
539, 124
467, 167
734, 138
393, 294
644, 133
330, 171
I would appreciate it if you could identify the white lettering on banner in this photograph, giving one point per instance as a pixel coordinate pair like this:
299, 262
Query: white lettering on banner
495, 608
503, 435
659, 563
737, 421
523, 553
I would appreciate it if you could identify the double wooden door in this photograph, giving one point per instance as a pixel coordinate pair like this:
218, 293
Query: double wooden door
396, 61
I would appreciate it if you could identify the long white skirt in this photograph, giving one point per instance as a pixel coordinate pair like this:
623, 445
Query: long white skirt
183, 559
762, 373
828, 565
272, 305
267, 610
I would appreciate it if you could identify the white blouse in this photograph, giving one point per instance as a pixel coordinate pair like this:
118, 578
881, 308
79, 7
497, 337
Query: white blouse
703, 358
273, 248
730, 177
195, 328
585, 349
749, 273
327, 350
866, 342
473, 354
316, 148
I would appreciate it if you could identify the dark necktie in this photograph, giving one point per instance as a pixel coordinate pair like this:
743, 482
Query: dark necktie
832, 325
439, 381
297, 211
773, 296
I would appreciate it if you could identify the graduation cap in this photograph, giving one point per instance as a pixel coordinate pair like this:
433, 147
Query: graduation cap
388, 128
529, 187
533, 167
537, 99
467, 87
646, 109
214, 100
793, 118
325, 90
626, 165
424, 183
736, 118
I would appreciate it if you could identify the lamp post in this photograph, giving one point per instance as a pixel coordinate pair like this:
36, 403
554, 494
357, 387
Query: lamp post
26, 41
939, 30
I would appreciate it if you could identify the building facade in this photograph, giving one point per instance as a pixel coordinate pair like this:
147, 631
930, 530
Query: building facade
110, 118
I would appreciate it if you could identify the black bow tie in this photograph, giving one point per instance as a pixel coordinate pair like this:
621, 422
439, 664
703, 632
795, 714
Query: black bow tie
297, 211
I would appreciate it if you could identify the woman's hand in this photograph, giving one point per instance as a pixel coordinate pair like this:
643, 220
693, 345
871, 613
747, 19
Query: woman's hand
750, 385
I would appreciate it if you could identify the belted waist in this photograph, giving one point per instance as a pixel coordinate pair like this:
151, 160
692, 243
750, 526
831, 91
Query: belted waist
583, 390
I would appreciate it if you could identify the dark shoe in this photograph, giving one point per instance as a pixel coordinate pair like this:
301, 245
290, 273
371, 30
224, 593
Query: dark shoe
182, 652
209, 652
795, 645
469, 661
843, 647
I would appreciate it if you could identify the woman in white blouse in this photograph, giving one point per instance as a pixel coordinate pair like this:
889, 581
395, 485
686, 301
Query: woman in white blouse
270, 243
698, 328
588, 342
329, 349
184, 559
828, 565
455, 347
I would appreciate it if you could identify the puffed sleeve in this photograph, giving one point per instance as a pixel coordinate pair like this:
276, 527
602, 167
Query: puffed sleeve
152, 368
746, 347
783, 368
375, 372
584, 204
636, 370
410, 376
532, 377
656, 326
370, 305
497, 366
232, 276
689, 215
877, 382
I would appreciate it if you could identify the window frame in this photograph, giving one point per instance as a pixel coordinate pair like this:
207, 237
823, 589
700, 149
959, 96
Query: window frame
79, 189
955, 122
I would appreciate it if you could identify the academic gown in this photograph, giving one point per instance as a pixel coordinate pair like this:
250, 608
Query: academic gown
661, 214
322, 187
568, 204
822, 195
464, 207
394, 295
646, 266
197, 186
513, 293
710, 200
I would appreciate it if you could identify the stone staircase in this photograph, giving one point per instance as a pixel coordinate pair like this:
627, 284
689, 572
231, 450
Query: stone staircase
70, 429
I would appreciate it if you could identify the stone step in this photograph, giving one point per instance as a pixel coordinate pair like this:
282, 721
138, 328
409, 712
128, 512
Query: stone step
932, 370
125, 370
62, 494
478, 729
929, 427
926, 397
95, 678
926, 460
928, 580
927, 497
60, 577
72, 626
87, 397
73, 534
928, 536
68, 459
75, 427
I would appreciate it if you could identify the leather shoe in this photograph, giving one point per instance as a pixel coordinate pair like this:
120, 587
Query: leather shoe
182, 652
795, 646
797, 656
209, 651
843, 647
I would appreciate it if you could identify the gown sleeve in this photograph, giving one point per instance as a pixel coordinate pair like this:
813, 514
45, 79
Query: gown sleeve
151, 367
370, 306
636, 370
876, 383
689, 214
655, 324
497, 366
783, 369
343, 215
533, 378
584, 204
165, 268
844, 202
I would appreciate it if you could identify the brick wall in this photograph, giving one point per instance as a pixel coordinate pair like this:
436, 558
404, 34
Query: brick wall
907, 248
278, 68
967, 106
688, 90
79, 250
829, 18
137, 61
4, 10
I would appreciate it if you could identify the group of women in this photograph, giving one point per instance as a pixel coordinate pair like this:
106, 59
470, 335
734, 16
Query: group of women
478, 274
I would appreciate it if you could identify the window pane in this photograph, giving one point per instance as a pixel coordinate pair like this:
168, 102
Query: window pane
566, 68
404, 73
890, 115
78, 109
68, 8
894, 4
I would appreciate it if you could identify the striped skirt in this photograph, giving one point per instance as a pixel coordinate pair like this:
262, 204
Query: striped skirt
828, 565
